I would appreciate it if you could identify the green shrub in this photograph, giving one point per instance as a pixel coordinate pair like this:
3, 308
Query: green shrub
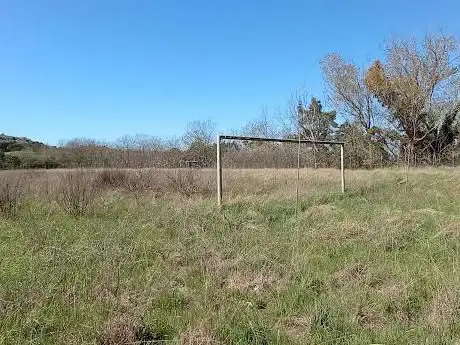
15, 147
11, 162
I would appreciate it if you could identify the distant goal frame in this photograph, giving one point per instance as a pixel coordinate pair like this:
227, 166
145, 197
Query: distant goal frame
273, 140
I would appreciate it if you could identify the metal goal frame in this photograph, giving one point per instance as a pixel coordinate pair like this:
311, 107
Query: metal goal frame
276, 140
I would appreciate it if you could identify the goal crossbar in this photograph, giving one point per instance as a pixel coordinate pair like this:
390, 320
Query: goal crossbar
277, 140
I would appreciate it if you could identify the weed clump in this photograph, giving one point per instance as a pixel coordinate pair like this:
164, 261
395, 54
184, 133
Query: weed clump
198, 336
123, 329
11, 194
187, 183
110, 178
137, 183
118, 330
76, 192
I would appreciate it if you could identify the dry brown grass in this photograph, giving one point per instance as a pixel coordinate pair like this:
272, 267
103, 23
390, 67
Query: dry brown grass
125, 329
188, 182
198, 336
252, 282
238, 183
12, 190
352, 273
119, 330
444, 308
297, 327
76, 192
368, 317
135, 181
111, 178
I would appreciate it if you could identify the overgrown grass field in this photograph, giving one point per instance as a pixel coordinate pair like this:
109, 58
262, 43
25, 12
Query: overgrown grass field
142, 264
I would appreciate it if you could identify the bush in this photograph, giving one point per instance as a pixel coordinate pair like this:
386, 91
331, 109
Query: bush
33, 164
187, 183
11, 162
15, 147
2, 160
51, 163
11, 194
136, 182
111, 178
144, 180
76, 192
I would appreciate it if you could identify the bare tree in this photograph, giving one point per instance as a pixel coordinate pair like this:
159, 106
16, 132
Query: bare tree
264, 126
82, 151
203, 132
144, 144
126, 144
349, 94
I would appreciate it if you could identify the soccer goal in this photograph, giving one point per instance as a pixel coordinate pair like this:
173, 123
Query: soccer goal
299, 142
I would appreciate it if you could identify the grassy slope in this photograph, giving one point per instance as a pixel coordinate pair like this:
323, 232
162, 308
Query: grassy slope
378, 265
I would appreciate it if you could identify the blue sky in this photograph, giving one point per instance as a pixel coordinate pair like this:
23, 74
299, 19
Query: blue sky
100, 69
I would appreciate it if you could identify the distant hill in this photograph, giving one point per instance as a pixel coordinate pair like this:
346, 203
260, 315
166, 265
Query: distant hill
10, 144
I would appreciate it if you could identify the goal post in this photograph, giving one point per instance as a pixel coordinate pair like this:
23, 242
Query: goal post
276, 140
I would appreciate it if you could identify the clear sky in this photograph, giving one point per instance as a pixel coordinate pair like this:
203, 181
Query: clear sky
103, 68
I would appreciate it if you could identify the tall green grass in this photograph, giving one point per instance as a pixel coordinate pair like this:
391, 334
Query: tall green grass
375, 266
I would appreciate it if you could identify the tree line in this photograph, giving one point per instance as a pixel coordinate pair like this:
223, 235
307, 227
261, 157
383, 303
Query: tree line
404, 108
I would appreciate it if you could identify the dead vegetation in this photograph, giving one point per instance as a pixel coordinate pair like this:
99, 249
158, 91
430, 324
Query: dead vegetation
119, 330
156, 182
111, 178
12, 190
125, 329
444, 308
297, 327
198, 336
251, 282
187, 183
351, 274
75, 192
